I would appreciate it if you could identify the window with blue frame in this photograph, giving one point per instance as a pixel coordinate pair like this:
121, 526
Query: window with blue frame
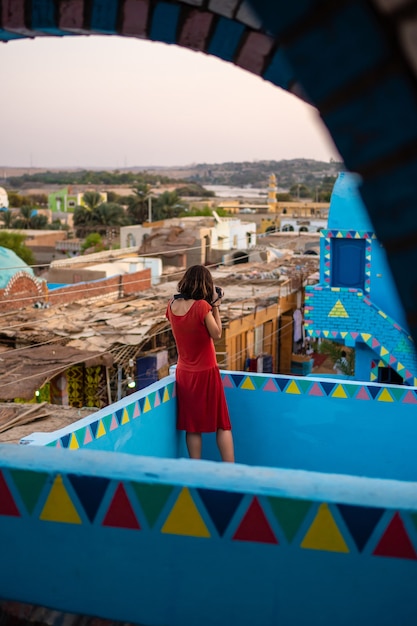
348, 263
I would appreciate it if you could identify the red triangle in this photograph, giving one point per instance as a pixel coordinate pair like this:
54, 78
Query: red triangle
255, 526
7, 504
395, 541
120, 513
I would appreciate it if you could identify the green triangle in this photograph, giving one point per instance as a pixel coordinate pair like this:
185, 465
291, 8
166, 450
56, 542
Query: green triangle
304, 385
80, 434
152, 499
29, 485
397, 393
351, 390
289, 513
106, 422
151, 398
259, 381
170, 388
51, 444
131, 409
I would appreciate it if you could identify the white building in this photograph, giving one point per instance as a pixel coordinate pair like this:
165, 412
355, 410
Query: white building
4, 200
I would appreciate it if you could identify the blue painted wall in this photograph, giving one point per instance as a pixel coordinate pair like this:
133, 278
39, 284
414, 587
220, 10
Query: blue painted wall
163, 540
330, 426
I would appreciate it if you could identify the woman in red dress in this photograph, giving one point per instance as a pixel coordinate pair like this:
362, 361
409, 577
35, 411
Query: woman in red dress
195, 321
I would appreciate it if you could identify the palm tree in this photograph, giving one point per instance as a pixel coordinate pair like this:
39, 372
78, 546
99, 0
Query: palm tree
137, 204
168, 205
26, 216
91, 200
84, 213
110, 214
6, 217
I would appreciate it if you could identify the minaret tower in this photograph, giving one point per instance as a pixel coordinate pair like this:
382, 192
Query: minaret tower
272, 194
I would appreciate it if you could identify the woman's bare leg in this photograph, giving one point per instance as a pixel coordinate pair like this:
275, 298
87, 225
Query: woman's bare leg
225, 444
193, 441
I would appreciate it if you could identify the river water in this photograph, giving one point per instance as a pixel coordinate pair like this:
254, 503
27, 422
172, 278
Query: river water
224, 191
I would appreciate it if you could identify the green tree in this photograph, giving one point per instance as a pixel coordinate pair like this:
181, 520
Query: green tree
91, 200
94, 241
25, 215
39, 222
110, 214
7, 218
16, 200
167, 205
15, 242
137, 204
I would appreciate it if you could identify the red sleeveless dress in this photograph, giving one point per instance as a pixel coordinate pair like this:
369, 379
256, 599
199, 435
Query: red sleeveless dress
201, 401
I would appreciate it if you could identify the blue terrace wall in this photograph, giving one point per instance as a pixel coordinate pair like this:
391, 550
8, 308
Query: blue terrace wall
322, 425
328, 513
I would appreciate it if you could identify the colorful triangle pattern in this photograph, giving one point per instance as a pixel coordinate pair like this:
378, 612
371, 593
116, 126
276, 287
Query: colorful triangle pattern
395, 542
255, 526
7, 503
59, 506
324, 533
185, 518
290, 514
120, 513
29, 485
221, 506
152, 499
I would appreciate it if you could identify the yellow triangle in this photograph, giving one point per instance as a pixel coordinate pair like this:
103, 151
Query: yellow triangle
326, 333
100, 430
400, 367
373, 377
338, 310
248, 384
185, 519
292, 388
384, 352
339, 392
365, 336
385, 396
415, 382
343, 335
59, 507
147, 405
73, 442
324, 534
125, 417
166, 395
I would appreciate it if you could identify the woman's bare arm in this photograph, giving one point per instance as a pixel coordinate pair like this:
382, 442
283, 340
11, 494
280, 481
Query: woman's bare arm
213, 322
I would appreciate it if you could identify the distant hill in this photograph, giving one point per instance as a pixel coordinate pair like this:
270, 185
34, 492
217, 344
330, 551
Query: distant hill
253, 173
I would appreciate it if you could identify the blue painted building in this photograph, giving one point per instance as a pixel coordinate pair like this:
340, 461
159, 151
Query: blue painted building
356, 301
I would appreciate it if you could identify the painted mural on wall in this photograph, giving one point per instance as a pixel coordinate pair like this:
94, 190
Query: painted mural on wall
356, 302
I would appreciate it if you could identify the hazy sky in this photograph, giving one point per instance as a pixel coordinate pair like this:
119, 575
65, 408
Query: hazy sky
118, 102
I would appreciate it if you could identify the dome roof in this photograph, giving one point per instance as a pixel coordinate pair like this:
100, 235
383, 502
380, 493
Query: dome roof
10, 265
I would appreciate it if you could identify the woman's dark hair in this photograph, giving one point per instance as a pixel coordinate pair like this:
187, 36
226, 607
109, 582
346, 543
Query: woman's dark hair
197, 284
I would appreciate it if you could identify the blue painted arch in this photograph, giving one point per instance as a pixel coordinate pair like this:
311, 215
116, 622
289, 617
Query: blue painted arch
351, 59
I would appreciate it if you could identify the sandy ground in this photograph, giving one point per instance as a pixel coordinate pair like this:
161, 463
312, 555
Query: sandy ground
59, 418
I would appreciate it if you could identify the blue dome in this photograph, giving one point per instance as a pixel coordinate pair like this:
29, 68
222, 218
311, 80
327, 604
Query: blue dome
11, 264
347, 210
